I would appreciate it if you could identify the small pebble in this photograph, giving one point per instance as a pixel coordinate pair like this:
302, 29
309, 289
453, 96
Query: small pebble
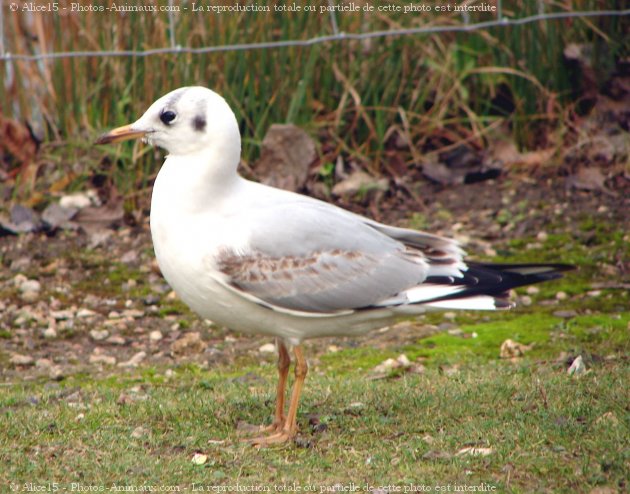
30, 286
533, 290
17, 359
56, 373
456, 332
577, 367
133, 361
49, 333
29, 296
20, 264
100, 358
61, 315
79, 200
139, 432
116, 340
129, 284
99, 334
43, 363
83, 313
565, 314
155, 335
18, 279
561, 296
133, 313
129, 257
267, 348
199, 459
151, 300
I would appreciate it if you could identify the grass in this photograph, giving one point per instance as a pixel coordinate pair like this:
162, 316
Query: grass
546, 430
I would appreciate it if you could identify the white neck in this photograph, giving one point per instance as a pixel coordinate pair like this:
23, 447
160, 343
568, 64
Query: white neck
189, 183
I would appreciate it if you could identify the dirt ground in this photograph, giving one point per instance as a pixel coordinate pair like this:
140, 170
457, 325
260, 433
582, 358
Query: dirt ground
99, 304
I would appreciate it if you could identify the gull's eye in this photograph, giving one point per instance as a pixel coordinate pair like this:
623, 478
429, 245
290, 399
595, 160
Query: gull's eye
167, 117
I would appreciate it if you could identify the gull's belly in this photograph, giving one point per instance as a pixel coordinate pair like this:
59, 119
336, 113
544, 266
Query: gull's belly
185, 257
184, 254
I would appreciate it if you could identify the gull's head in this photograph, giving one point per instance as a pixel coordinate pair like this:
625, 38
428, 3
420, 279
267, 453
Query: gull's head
184, 121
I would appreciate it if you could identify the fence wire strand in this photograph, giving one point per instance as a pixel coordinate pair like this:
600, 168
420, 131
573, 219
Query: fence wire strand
337, 36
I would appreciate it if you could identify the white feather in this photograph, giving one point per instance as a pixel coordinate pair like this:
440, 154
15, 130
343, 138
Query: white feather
479, 302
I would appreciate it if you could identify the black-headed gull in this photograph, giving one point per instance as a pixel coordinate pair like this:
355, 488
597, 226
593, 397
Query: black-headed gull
268, 261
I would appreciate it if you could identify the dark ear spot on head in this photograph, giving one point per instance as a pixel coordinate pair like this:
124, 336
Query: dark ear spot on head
199, 123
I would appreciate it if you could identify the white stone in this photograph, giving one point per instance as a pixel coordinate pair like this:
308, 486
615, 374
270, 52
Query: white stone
267, 348
133, 361
83, 313
99, 334
155, 335
49, 333
561, 296
101, 358
17, 359
30, 286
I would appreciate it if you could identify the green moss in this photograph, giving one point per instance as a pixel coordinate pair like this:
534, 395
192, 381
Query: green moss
445, 348
173, 307
355, 359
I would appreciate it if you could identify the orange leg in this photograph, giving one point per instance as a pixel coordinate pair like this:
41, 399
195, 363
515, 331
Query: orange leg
289, 429
284, 361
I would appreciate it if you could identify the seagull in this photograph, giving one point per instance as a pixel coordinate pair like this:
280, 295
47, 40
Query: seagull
267, 261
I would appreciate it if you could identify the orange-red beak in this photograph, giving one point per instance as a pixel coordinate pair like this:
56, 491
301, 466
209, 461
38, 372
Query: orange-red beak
120, 134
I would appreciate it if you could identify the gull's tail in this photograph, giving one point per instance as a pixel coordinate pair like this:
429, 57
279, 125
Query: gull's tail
486, 286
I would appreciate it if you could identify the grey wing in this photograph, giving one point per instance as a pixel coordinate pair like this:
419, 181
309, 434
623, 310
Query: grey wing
312, 257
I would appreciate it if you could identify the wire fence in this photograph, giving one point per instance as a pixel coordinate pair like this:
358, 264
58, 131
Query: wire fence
337, 36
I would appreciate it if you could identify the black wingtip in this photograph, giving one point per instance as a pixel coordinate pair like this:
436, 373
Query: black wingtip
517, 275
496, 280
